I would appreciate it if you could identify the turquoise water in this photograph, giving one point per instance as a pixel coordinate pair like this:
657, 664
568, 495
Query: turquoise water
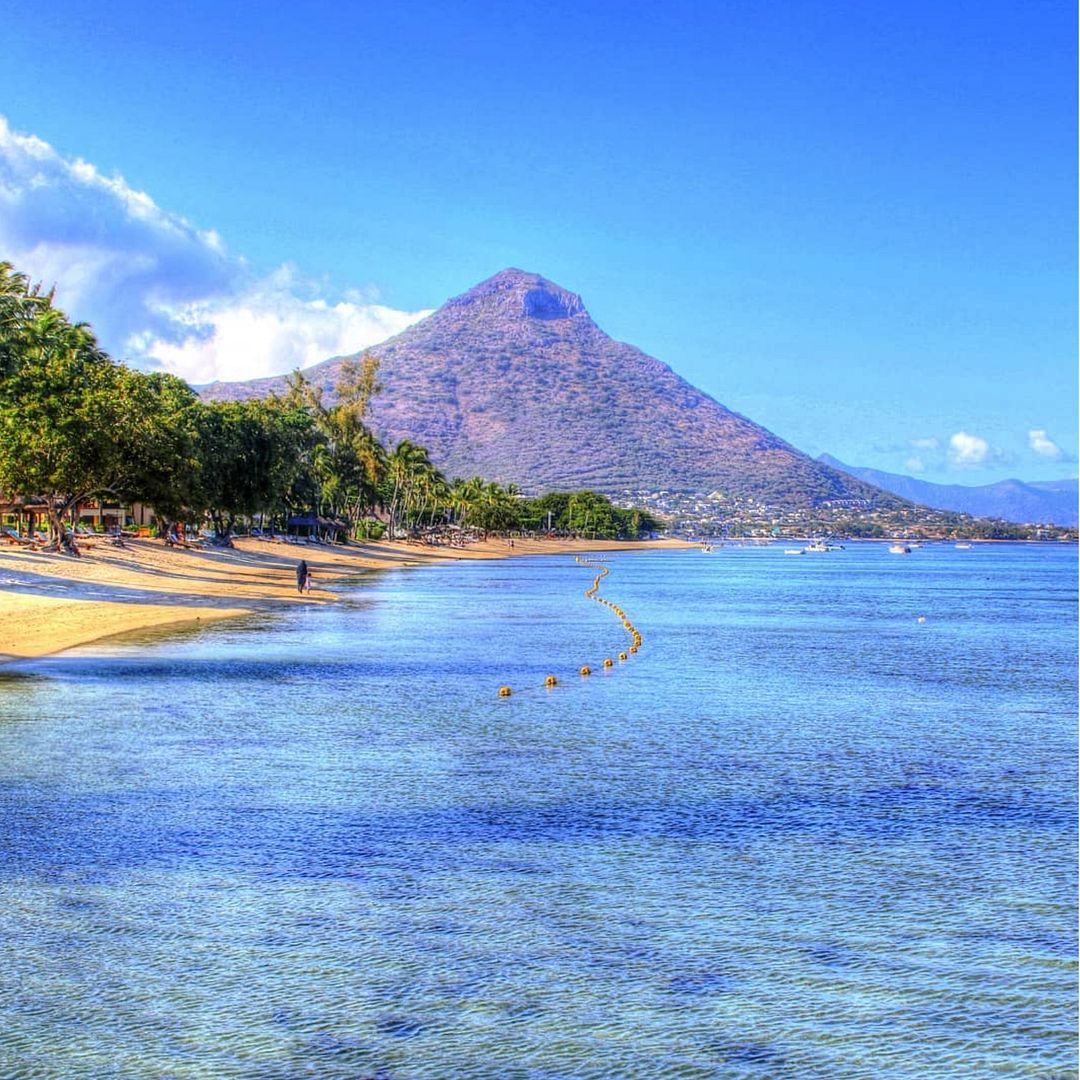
801, 833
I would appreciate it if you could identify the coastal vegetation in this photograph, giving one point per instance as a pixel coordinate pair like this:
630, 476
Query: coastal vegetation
75, 425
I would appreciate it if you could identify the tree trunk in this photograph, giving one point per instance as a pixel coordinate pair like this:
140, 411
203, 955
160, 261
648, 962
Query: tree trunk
56, 524
393, 511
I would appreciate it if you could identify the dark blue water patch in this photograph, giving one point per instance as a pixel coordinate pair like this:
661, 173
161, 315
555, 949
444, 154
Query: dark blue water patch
1038, 944
759, 1056
833, 955
703, 982
339, 1048
259, 672
15, 677
398, 1025
106, 834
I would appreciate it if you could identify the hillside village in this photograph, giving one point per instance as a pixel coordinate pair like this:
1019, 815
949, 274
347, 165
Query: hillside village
694, 515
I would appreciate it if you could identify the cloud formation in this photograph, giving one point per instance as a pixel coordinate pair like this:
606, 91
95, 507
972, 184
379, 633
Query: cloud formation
1044, 446
158, 291
967, 451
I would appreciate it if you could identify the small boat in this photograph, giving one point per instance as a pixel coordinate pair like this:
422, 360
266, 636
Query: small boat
794, 551
962, 546
899, 549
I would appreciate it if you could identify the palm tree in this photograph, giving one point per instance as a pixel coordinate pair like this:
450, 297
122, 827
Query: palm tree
405, 465
434, 490
467, 497
20, 305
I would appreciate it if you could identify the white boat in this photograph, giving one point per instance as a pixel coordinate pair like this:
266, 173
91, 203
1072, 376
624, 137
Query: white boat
962, 547
899, 549
794, 551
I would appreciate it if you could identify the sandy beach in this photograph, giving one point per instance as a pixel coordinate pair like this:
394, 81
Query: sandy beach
51, 602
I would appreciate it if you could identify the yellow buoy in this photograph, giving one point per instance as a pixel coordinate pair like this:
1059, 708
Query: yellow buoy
551, 681
622, 656
633, 648
505, 691
608, 662
586, 670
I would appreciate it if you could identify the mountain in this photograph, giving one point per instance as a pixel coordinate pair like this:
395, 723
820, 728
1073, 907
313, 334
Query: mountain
514, 381
1035, 502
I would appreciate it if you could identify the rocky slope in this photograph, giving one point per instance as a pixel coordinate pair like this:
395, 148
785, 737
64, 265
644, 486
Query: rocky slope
513, 381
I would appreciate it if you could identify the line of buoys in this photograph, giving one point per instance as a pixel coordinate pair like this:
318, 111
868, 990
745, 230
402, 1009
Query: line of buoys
592, 593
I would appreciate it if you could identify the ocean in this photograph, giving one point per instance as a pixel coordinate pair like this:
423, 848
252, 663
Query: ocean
822, 824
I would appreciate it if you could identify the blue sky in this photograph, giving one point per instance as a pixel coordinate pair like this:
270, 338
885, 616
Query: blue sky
853, 222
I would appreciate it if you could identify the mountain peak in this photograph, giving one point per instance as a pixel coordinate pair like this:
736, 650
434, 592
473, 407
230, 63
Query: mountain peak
514, 381
520, 294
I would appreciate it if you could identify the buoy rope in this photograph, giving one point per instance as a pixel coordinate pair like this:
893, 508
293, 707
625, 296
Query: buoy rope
593, 593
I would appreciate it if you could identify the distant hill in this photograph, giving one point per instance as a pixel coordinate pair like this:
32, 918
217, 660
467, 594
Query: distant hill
514, 381
1034, 502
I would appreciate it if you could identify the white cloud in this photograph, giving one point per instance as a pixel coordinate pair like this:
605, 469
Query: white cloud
915, 464
157, 290
967, 450
931, 443
265, 331
1043, 445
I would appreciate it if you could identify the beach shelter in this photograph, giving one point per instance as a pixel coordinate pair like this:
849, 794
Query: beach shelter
315, 525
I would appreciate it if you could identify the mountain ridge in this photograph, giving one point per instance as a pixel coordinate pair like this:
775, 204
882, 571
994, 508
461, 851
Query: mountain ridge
1018, 501
512, 380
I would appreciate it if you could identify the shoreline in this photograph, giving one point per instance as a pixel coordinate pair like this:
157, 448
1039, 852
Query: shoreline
51, 603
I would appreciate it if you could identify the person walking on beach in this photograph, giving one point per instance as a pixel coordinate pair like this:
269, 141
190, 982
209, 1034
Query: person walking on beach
303, 576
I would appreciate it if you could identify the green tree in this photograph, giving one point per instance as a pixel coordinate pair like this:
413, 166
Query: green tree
162, 433
251, 454
407, 464
495, 510
346, 460
70, 417
590, 514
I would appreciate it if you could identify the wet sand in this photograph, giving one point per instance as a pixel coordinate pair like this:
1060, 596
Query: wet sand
50, 602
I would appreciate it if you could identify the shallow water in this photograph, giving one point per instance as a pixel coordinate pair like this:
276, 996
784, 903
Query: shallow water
801, 833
